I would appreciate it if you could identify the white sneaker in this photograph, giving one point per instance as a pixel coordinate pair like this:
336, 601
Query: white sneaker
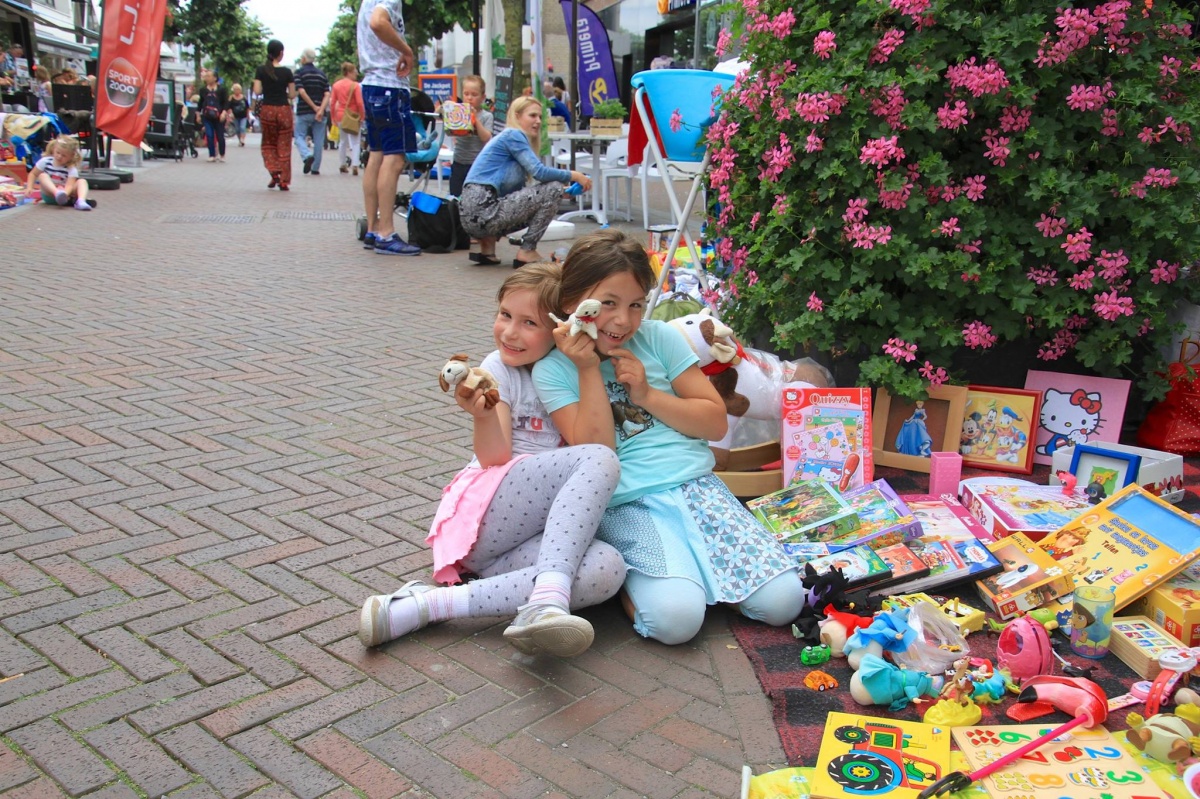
373, 626
545, 628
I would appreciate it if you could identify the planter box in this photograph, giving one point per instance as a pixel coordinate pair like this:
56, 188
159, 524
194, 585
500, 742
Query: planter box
558, 125
606, 127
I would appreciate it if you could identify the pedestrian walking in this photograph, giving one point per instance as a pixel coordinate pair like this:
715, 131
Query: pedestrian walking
386, 61
346, 112
312, 101
239, 110
275, 85
213, 114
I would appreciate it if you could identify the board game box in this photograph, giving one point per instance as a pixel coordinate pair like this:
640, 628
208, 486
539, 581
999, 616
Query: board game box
1010, 506
826, 434
1111, 544
952, 543
808, 511
883, 517
1030, 578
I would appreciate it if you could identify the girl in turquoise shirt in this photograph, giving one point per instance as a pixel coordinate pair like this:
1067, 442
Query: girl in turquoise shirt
686, 539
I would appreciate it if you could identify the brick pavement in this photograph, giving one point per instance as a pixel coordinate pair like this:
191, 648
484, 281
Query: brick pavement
217, 439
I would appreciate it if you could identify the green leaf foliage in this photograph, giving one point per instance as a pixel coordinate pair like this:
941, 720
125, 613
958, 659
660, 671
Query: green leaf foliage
944, 172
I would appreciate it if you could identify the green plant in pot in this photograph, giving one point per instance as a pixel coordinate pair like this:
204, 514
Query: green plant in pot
901, 180
607, 116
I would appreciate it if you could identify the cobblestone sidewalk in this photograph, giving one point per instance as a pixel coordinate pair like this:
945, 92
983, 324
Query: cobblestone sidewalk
220, 430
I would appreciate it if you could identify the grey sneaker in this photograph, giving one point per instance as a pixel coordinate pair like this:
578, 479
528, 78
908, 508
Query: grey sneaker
373, 628
545, 628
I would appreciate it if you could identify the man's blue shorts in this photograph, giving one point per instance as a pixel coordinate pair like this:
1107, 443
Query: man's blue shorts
388, 114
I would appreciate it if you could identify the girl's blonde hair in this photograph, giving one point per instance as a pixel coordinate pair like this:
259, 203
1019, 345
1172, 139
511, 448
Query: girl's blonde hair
235, 88
544, 280
514, 113
348, 69
69, 147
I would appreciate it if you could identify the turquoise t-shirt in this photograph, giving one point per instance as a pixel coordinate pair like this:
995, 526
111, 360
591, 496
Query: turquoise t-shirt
653, 455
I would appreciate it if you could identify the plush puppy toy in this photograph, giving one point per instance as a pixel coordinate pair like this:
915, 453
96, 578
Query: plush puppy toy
456, 372
584, 319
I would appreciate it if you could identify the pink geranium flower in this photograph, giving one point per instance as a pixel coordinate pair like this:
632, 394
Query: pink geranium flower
814, 303
900, 349
936, 377
824, 44
977, 335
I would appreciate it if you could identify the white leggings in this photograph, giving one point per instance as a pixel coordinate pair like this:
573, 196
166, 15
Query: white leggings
348, 141
543, 517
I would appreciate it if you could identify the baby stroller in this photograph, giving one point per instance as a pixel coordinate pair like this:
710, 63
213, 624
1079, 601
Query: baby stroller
30, 133
185, 134
421, 163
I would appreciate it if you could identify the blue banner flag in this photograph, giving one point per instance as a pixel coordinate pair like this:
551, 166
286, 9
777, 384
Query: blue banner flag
597, 73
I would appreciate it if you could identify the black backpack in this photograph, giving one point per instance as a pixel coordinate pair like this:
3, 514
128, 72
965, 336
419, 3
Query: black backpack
238, 107
434, 224
211, 108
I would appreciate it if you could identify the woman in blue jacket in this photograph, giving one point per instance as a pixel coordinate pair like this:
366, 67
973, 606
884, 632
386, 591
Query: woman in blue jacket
495, 199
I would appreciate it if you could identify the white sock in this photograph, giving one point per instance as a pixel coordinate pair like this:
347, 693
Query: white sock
82, 205
444, 603
552, 588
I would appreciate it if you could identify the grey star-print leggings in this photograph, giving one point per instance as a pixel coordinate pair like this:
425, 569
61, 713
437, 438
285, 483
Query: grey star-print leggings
484, 215
543, 517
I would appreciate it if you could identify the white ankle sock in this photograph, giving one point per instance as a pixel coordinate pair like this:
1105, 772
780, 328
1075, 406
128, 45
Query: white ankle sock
444, 603
552, 588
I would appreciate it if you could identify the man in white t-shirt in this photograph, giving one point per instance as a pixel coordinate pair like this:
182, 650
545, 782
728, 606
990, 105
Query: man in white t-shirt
385, 60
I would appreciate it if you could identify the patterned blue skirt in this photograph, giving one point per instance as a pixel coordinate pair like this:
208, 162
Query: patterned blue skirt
698, 531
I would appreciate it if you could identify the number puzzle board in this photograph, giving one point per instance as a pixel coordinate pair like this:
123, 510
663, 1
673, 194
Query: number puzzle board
1079, 764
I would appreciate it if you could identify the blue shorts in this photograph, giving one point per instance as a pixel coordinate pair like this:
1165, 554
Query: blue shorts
388, 113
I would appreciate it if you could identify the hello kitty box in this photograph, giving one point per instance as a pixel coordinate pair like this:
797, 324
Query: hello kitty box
1160, 473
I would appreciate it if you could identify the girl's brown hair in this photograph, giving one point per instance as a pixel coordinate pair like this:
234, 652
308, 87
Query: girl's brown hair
597, 257
348, 69
543, 279
68, 145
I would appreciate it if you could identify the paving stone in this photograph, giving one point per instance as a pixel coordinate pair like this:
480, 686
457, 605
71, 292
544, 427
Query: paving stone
30, 708
129, 701
71, 764
223, 768
303, 777
196, 704
209, 666
14, 770
348, 761
263, 708
147, 766
264, 663
65, 651
328, 710
134, 655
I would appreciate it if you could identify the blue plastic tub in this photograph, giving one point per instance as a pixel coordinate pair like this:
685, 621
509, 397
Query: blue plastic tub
690, 91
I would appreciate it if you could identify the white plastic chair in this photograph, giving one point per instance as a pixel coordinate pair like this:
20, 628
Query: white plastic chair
659, 95
615, 166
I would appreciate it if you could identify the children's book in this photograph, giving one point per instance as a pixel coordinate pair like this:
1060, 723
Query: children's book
1030, 579
860, 565
808, 511
1130, 543
826, 433
905, 564
883, 517
864, 755
952, 543
1008, 506
1081, 764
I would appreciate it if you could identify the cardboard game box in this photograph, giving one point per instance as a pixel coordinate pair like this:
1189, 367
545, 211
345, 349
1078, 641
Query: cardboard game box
1131, 542
808, 511
1175, 605
952, 543
1160, 473
826, 434
1010, 506
883, 517
1030, 579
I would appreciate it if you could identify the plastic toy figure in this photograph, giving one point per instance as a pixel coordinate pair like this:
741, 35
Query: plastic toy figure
887, 632
1095, 493
914, 438
1068, 480
815, 655
878, 682
1166, 737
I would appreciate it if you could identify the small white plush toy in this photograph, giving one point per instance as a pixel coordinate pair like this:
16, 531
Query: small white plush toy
456, 372
584, 319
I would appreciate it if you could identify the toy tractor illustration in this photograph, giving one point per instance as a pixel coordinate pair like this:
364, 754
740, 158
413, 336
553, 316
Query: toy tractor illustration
877, 762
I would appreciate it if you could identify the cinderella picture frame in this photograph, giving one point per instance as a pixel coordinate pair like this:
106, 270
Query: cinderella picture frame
910, 432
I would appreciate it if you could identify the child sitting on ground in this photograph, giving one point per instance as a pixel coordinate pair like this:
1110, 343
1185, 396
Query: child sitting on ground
524, 524
56, 175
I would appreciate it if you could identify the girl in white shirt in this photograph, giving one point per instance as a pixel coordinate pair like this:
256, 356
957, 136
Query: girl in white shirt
56, 175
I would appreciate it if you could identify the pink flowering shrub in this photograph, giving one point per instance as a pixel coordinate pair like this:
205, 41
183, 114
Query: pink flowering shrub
903, 180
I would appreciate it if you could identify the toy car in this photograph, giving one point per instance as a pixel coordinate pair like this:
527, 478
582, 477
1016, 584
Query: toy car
815, 655
820, 681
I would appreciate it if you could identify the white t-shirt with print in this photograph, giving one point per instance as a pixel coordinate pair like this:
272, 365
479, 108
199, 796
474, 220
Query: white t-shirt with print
533, 430
377, 60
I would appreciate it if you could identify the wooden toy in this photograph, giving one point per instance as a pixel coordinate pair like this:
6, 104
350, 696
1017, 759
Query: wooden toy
865, 756
1139, 642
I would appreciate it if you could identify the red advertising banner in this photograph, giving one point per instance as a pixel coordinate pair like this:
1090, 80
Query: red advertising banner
129, 41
